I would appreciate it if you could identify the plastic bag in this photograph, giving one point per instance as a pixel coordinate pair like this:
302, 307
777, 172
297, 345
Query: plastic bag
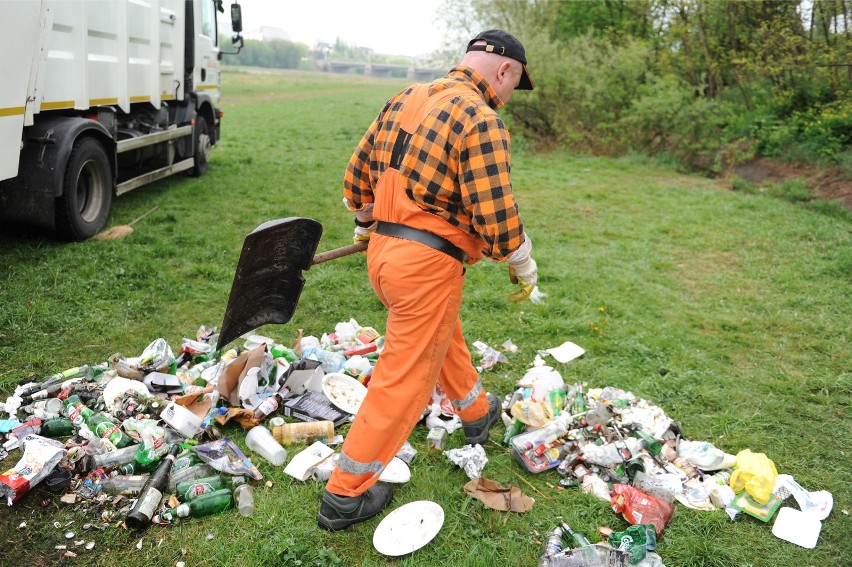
223, 455
636, 540
756, 474
640, 508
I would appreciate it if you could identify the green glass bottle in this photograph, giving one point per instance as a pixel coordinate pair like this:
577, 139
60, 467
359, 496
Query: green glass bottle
206, 504
76, 410
151, 494
135, 467
578, 537
186, 460
191, 489
102, 426
59, 427
651, 444
578, 404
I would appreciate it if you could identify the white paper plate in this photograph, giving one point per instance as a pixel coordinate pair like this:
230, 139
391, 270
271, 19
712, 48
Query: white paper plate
566, 352
797, 527
396, 472
344, 391
408, 528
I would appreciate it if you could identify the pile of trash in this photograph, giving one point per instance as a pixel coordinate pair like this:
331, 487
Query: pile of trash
136, 441
629, 453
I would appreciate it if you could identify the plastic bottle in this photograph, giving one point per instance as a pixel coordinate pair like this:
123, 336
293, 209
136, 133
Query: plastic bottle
192, 489
245, 499
128, 484
290, 433
151, 494
331, 361
207, 504
114, 458
58, 427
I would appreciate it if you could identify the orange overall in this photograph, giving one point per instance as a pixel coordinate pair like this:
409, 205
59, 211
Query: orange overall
422, 289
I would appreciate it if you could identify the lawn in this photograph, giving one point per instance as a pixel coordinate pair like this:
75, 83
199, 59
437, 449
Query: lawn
730, 310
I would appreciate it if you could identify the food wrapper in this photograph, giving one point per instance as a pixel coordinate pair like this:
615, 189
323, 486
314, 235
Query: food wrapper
224, 455
41, 455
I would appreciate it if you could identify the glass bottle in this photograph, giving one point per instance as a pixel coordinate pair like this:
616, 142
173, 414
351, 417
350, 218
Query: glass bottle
151, 494
192, 489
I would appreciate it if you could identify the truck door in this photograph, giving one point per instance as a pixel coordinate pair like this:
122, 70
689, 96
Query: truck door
207, 77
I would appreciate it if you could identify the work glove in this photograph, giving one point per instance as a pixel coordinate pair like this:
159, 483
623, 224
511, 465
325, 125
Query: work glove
525, 274
363, 231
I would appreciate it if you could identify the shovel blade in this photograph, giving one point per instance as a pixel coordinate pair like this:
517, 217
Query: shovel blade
268, 280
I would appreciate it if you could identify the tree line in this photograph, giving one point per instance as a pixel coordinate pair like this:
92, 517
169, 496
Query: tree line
717, 80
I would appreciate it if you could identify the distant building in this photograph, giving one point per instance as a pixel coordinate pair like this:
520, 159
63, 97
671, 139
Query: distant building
266, 33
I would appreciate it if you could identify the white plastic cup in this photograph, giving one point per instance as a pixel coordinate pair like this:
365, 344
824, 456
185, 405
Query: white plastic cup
261, 441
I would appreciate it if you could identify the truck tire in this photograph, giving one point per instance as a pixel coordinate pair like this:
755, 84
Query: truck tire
83, 208
203, 142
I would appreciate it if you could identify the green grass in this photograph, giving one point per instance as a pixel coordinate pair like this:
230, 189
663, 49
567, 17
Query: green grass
744, 299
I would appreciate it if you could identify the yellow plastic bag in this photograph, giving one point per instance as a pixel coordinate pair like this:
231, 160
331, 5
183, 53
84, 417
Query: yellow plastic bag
755, 473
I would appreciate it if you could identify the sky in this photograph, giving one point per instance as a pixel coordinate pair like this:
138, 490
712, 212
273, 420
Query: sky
390, 27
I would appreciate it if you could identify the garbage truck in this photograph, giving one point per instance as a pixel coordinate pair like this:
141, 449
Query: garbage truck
100, 97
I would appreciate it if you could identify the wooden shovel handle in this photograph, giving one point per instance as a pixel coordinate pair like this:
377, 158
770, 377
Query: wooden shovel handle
339, 252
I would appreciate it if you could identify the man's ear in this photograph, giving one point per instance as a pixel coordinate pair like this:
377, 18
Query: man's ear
504, 71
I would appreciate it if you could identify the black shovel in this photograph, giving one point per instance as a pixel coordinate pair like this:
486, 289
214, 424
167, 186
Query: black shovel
268, 280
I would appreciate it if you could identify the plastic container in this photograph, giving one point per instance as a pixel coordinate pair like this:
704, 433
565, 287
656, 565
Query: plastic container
304, 432
527, 447
245, 499
261, 441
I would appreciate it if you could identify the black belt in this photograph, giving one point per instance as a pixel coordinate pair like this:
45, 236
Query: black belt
423, 237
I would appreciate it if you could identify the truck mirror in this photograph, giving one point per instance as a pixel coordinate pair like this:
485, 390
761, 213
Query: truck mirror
236, 18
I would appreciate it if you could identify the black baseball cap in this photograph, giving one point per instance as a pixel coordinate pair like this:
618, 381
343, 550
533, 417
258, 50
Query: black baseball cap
504, 43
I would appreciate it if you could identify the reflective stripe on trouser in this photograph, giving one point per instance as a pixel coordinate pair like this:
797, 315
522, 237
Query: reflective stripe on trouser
422, 289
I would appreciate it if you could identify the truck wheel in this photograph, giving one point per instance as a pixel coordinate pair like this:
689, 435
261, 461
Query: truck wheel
83, 208
202, 146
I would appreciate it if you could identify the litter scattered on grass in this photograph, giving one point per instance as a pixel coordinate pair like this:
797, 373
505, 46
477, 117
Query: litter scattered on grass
129, 421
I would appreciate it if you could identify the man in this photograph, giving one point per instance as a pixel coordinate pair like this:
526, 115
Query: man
429, 186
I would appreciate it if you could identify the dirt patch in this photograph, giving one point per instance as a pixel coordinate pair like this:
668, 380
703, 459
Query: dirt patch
825, 183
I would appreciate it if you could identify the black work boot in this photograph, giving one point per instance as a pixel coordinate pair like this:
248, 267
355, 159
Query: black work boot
340, 512
476, 432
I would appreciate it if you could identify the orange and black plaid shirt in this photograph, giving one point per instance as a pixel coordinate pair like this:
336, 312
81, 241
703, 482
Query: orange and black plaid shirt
456, 167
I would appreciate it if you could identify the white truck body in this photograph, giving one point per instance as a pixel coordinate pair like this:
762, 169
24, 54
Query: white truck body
134, 83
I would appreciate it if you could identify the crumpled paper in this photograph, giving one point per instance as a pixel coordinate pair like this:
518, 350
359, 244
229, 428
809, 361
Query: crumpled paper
497, 497
471, 458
